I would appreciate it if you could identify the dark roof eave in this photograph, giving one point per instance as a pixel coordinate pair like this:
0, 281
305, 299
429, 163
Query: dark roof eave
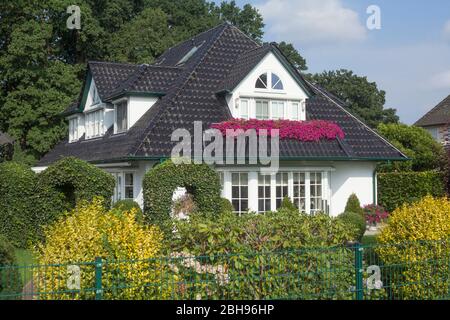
136, 94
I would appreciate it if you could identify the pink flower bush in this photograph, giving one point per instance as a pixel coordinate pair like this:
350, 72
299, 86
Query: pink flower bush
313, 130
375, 214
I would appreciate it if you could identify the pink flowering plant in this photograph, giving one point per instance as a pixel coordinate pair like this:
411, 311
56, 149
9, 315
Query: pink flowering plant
375, 214
312, 130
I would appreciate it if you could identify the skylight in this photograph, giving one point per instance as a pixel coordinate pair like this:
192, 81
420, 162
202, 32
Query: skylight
188, 55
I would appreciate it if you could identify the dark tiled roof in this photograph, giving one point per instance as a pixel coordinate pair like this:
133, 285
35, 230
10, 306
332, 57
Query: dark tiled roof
192, 96
436, 116
5, 138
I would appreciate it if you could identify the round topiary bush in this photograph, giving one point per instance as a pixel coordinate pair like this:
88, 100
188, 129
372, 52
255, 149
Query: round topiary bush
76, 180
159, 184
17, 183
127, 205
353, 205
355, 221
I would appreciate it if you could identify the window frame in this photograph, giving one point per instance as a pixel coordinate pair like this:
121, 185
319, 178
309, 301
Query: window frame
240, 187
116, 107
262, 101
73, 129
95, 123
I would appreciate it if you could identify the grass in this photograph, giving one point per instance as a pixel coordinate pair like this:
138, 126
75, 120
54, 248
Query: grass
24, 257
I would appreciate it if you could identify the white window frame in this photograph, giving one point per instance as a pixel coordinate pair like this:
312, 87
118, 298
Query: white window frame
116, 103
273, 106
262, 101
242, 114
269, 84
73, 129
120, 190
240, 198
266, 182
253, 204
95, 123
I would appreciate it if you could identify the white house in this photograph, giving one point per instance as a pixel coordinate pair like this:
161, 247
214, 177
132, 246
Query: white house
126, 114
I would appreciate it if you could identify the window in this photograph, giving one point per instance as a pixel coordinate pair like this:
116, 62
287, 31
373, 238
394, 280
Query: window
73, 129
239, 191
262, 110
129, 186
118, 187
299, 182
282, 186
276, 82
261, 83
277, 110
221, 180
95, 96
295, 111
244, 114
264, 203
94, 124
315, 184
121, 117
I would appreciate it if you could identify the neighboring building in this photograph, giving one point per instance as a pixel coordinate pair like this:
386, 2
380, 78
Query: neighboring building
126, 114
437, 122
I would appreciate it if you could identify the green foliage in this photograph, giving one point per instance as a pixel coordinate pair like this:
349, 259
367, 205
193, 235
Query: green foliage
356, 222
17, 208
416, 143
225, 205
363, 98
287, 204
10, 280
130, 44
353, 205
397, 188
128, 204
200, 181
293, 55
77, 180
285, 231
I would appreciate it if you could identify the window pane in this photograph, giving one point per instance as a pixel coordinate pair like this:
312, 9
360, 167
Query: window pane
276, 82
129, 179
261, 83
295, 111
244, 109
121, 116
262, 110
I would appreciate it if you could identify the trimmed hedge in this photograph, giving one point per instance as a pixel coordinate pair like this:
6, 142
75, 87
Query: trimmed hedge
395, 189
75, 180
200, 181
356, 221
353, 205
127, 205
10, 280
17, 187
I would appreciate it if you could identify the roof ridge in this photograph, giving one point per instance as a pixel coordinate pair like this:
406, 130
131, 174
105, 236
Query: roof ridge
439, 105
112, 62
223, 26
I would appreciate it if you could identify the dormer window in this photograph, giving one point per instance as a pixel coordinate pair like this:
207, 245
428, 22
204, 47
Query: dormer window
121, 112
95, 124
73, 129
265, 81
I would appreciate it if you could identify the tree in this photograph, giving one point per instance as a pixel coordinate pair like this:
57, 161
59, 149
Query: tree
417, 144
142, 39
363, 98
293, 55
247, 19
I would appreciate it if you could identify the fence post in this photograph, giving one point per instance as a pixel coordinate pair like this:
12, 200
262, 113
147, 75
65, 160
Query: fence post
98, 279
359, 271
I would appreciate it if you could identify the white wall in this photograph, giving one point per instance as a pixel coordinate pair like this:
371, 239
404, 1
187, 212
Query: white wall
351, 177
137, 106
292, 91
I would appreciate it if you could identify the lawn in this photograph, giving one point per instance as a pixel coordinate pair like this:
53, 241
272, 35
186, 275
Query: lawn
24, 258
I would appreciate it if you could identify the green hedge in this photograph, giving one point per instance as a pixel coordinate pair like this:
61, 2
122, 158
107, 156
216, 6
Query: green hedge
159, 184
17, 189
75, 180
395, 189
10, 280
356, 221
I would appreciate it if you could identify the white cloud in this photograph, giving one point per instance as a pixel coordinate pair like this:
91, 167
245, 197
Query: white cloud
447, 30
441, 80
311, 21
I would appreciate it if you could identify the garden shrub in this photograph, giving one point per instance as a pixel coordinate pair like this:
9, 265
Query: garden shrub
287, 241
90, 231
395, 189
127, 205
356, 222
225, 205
17, 218
287, 204
353, 205
10, 280
416, 241
77, 180
159, 183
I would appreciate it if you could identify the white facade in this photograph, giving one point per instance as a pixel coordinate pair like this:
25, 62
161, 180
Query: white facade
246, 90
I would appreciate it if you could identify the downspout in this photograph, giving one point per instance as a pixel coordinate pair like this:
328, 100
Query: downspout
375, 187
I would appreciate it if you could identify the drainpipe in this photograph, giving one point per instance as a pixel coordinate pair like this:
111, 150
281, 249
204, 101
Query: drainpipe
375, 187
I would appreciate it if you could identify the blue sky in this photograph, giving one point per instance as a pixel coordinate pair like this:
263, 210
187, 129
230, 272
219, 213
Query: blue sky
409, 57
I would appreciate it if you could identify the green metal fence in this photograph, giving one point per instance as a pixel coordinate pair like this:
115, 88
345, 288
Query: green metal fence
413, 270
